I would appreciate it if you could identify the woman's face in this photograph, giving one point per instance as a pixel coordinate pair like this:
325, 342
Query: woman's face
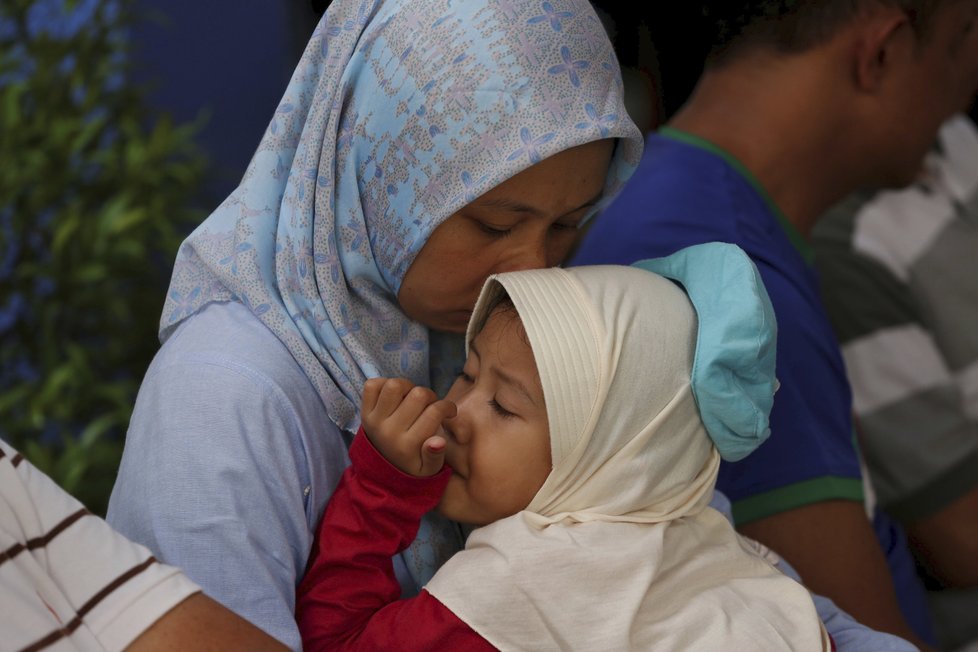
527, 222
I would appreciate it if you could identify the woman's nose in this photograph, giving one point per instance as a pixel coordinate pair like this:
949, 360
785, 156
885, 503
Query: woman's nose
529, 255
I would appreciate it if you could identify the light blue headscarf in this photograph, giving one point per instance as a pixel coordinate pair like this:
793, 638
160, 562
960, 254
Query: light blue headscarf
399, 113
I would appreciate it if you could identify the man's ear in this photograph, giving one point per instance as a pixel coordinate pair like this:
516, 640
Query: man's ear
886, 40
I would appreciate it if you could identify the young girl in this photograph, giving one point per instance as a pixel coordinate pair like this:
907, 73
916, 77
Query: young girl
583, 438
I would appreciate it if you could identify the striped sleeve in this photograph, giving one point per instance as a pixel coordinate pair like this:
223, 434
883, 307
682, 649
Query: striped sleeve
67, 580
897, 270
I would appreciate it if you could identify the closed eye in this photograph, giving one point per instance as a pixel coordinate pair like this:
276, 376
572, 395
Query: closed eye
500, 410
494, 231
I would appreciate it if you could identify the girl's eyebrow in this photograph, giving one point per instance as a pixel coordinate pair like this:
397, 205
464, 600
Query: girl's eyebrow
516, 384
505, 377
515, 206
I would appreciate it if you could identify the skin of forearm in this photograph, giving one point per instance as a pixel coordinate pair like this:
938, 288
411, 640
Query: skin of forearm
835, 551
200, 623
946, 543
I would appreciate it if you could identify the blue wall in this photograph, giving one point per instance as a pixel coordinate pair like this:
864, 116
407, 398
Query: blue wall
229, 60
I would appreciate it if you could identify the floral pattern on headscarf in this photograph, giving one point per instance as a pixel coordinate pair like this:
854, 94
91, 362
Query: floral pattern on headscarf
399, 113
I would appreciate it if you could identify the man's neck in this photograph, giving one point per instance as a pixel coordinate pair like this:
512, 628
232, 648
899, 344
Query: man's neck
775, 125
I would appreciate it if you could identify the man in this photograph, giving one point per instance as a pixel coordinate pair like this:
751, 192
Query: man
800, 104
900, 283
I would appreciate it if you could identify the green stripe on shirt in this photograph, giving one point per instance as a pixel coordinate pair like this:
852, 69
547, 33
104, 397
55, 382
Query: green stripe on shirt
797, 495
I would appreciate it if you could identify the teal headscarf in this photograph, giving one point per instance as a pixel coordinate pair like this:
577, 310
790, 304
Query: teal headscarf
398, 114
733, 377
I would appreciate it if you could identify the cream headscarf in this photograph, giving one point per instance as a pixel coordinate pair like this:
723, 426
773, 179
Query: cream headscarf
619, 550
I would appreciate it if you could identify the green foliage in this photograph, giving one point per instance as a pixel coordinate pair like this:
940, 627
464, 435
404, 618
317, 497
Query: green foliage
95, 196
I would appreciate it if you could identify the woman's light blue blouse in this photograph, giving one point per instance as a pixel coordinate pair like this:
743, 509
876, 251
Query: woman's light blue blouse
230, 460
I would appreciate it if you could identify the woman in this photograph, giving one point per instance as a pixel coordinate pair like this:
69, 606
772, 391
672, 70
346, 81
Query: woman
420, 147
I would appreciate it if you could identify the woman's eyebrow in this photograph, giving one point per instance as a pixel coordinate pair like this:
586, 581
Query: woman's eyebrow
515, 206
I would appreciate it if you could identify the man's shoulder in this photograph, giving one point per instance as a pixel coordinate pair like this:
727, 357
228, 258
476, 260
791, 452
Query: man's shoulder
682, 195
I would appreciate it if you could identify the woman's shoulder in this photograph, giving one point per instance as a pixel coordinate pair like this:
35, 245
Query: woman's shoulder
223, 391
228, 337
224, 365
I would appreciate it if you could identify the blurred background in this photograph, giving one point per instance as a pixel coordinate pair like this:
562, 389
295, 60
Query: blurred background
122, 124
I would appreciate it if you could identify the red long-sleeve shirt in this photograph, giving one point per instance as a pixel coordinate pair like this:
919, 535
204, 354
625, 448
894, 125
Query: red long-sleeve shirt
348, 599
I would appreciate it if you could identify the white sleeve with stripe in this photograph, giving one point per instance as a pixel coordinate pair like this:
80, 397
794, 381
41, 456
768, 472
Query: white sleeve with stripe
67, 579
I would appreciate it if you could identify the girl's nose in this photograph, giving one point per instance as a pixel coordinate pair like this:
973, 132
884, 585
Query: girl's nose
457, 428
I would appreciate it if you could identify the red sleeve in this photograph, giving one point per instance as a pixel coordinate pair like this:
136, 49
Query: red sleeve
348, 599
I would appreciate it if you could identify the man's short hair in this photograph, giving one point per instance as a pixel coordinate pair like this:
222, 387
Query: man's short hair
791, 26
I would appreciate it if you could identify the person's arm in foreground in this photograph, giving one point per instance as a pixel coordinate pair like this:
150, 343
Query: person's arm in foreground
947, 542
847, 634
835, 551
348, 599
199, 623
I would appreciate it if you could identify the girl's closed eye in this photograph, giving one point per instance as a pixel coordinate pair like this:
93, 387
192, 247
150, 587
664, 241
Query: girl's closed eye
500, 410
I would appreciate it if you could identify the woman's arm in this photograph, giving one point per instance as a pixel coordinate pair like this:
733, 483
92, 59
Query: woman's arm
214, 480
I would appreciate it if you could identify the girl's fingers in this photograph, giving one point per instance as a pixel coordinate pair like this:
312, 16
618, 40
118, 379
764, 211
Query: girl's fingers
371, 392
402, 419
432, 455
430, 419
390, 397
414, 403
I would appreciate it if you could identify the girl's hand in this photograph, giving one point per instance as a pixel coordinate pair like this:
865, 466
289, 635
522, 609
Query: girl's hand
401, 420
